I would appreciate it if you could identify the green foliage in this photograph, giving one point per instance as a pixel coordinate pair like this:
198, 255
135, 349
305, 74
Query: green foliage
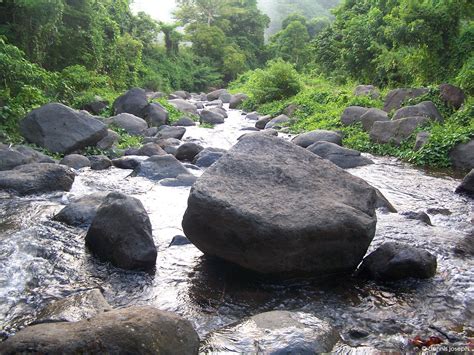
206, 125
174, 113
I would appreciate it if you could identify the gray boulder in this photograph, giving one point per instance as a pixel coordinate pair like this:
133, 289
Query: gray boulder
10, 159
150, 149
208, 156
321, 225
184, 122
220, 111
343, 157
96, 106
394, 261
367, 90
128, 162
61, 129
418, 216
252, 116
395, 98
182, 94
462, 156
134, 101
180, 180
81, 212
100, 162
371, 116
110, 140
278, 122
214, 95
467, 184
155, 115
352, 114
262, 122
275, 332
131, 124
134, 330
207, 116
215, 104
423, 109
121, 233
225, 97
306, 139
396, 131
166, 132
237, 100
184, 106
150, 132
34, 155
452, 95
188, 151
160, 167
267, 132
76, 161
37, 178
421, 139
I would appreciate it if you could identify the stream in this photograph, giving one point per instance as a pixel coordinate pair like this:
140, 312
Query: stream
42, 260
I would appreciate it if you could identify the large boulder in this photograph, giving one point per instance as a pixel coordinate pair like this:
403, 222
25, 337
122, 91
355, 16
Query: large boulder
395, 98
208, 156
367, 90
306, 139
80, 212
134, 330
34, 155
467, 184
211, 117
184, 106
343, 157
60, 129
393, 261
10, 159
373, 115
121, 233
155, 115
188, 151
237, 100
462, 156
214, 95
37, 178
134, 101
452, 95
109, 141
278, 122
75, 161
352, 114
167, 132
275, 332
273, 207
129, 123
182, 94
396, 131
160, 167
423, 109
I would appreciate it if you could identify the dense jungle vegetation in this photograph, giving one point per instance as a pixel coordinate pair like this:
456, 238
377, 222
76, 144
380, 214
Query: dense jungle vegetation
71, 51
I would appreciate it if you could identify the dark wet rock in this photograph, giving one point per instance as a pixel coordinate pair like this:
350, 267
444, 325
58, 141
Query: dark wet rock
128, 162
81, 211
165, 132
343, 157
37, 178
232, 214
179, 240
306, 139
180, 180
160, 167
278, 122
394, 261
96, 106
134, 330
155, 115
214, 95
34, 155
268, 132
421, 140
184, 122
77, 307
184, 106
207, 116
171, 149
418, 215
275, 332
237, 100
60, 129
352, 114
75, 161
396, 131
150, 132
452, 95
10, 159
357, 333
168, 142
188, 151
225, 97
423, 109
121, 233
395, 98
109, 140
467, 184
131, 151
462, 156
290, 110
262, 122
384, 203
134, 101
465, 246
129, 123
100, 162
367, 90
371, 116
208, 156
150, 149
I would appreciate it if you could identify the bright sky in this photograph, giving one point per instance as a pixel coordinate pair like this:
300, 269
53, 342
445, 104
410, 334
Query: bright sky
158, 9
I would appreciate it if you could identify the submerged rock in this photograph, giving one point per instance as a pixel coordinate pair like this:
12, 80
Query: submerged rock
273, 207
134, 330
343, 157
134, 101
121, 233
179, 240
418, 216
81, 211
306, 139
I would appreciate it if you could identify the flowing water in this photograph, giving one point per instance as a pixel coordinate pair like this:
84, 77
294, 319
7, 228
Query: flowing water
42, 260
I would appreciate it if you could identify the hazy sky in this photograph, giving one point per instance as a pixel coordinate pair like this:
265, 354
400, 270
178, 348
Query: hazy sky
158, 9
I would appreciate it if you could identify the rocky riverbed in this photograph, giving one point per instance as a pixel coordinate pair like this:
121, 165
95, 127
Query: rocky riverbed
44, 260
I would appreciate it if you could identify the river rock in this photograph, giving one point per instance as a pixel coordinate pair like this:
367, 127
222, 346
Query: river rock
423, 109
262, 122
109, 140
34, 155
155, 115
306, 139
225, 97
208, 156
421, 139
352, 114
343, 157
150, 149
188, 151
80, 306
396, 131
207, 116
462, 156
290, 110
121, 233
418, 216
467, 185
465, 246
180, 180
182, 94
179, 240
75, 161
383, 203
166, 132
80, 212
37, 178
131, 124
268, 132
184, 122
256, 207
367, 90
393, 261
134, 330
220, 111
61, 129
395, 98
100, 162
275, 332
128, 162
252, 116
214, 95
215, 104
96, 106
184, 106
10, 159
134, 101
371, 116
237, 100
160, 167
152, 95
452, 95
278, 122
